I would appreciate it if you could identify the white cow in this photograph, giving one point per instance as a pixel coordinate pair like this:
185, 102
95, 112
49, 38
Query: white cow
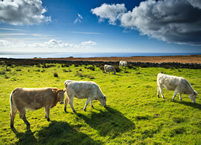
109, 68
178, 84
123, 63
83, 90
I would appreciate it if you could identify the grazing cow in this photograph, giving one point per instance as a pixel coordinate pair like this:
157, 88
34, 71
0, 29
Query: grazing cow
81, 90
109, 68
178, 84
33, 98
123, 63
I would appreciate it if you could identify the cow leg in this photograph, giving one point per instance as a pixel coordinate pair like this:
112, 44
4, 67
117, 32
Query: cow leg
23, 117
87, 102
92, 104
12, 116
71, 103
158, 90
175, 93
161, 91
180, 97
47, 113
66, 102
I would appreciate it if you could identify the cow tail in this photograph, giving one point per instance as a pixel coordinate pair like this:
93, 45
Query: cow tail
11, 102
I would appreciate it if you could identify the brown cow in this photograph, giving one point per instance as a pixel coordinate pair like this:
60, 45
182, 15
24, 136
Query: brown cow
33, 98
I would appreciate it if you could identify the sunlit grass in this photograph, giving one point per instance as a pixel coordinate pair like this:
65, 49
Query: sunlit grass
135, 115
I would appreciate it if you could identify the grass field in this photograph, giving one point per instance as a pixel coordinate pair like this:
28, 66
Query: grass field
134, 114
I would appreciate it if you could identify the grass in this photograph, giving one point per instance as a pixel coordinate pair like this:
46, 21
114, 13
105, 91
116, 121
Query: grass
134, 113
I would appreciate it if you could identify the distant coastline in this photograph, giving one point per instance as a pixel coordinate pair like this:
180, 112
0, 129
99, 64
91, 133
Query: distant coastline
84, 55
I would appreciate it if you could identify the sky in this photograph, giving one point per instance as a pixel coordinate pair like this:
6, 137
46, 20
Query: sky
99, 26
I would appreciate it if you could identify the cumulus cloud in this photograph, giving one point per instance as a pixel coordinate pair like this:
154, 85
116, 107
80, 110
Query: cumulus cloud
53, 45
175, 21
78, 19
111, 12
19, 12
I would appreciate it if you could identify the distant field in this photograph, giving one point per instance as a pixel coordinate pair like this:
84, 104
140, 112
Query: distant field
134, 113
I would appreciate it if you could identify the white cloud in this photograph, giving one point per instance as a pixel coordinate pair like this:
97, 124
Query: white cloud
175, 21
11, 34
19, 12
51, 45
111, 12
78, 19
195, 3
89, 33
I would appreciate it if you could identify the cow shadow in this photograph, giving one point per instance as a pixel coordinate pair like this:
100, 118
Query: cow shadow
58, 132
190, 104
110, 122
25, 138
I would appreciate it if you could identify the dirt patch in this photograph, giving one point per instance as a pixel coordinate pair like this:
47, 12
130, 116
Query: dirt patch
153, 59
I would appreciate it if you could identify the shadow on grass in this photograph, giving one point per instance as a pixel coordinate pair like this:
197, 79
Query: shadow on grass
25, 138
194, 105
110, 122
56, 133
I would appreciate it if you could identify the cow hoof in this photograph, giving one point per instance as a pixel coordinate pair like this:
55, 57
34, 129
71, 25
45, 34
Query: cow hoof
85, 110
92, 106
65, 109
48, 119
11, 126
172, 100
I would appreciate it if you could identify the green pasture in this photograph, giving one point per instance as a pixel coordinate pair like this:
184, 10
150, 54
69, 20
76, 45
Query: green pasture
134, 114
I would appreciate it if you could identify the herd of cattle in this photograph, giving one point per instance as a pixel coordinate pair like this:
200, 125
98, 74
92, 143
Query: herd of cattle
36, 98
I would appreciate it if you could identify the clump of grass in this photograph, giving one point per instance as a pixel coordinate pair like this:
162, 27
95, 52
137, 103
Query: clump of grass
137, 73
82, 75
91, 68
65, 65
2, 72
69, 70
125, 71
8, 69
56, 75
18, 69
91, 77
7, 77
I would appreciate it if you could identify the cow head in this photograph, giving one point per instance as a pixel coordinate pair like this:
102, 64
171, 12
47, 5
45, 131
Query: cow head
60, 95
193, 96
103, 100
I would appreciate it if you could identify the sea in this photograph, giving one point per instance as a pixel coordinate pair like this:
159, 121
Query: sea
18, 55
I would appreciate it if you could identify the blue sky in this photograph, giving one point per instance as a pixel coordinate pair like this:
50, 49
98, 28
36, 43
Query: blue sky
147, 26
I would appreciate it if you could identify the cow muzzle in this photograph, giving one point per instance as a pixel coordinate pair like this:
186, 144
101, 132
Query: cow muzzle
61, 102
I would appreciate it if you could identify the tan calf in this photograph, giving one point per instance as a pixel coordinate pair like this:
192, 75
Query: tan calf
33, 98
